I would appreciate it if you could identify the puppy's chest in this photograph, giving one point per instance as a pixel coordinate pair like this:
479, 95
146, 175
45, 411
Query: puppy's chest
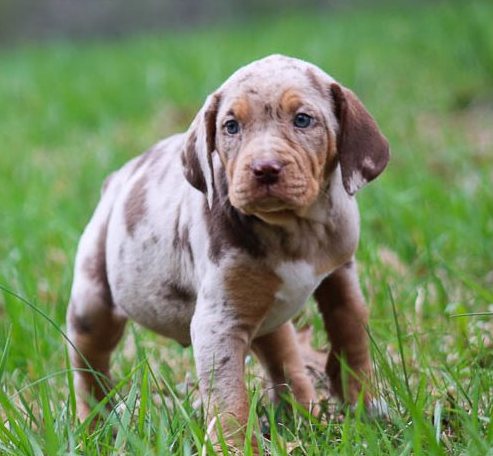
298, 280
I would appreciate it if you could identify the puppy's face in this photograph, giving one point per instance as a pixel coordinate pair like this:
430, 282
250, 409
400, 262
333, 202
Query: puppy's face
280, 126
275, 138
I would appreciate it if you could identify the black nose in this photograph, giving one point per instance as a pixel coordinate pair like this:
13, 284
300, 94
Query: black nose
266, 171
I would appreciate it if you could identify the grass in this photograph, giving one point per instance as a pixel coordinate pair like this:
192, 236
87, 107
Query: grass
72, 112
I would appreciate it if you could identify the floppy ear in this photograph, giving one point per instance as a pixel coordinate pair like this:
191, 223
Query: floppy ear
200, 143
362, 149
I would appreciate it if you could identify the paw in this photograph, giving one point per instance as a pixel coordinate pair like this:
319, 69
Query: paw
375, 408
378, 408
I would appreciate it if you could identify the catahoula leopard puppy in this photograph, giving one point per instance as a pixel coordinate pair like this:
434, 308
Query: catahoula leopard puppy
217, 237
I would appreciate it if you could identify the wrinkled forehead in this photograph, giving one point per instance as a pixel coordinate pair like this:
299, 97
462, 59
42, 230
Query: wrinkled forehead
269, 78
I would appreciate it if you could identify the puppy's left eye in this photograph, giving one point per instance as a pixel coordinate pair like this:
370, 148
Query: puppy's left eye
302, 120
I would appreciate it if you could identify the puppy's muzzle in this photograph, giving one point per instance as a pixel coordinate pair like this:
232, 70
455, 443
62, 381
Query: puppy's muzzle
266, 172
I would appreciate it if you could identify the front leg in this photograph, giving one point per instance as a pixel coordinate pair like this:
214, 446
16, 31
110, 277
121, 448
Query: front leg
230, 308
345, 316
220, 347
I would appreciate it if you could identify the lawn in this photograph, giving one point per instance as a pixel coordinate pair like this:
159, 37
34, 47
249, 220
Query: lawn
72, 112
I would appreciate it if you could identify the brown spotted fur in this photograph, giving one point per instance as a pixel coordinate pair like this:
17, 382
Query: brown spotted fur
200, 251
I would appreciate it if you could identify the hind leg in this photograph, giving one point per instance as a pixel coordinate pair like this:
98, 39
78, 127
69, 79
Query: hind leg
94, 331
280, 356
94, 326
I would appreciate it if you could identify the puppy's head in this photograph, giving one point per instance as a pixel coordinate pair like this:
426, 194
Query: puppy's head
280, 126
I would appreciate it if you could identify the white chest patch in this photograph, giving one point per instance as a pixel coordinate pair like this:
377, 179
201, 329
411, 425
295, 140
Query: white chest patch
299, 281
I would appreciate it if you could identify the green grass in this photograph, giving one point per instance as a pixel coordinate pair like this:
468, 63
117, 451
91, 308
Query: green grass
70, 113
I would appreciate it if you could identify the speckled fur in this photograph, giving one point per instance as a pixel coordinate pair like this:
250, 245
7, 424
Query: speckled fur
187, 243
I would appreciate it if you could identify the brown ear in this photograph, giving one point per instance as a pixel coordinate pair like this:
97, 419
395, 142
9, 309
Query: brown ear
200, 143
362, 149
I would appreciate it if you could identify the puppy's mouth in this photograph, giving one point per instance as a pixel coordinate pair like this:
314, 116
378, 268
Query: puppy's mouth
269, 208
285, 196
268, 204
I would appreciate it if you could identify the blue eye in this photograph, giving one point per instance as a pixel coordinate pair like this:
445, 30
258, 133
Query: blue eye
302, 120
232, 127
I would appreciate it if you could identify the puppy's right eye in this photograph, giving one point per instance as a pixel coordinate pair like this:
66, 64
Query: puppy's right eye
232, 127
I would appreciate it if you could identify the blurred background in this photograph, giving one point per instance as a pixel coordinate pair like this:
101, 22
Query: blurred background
24, 20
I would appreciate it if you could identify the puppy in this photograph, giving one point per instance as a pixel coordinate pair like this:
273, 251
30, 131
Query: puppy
217, 237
